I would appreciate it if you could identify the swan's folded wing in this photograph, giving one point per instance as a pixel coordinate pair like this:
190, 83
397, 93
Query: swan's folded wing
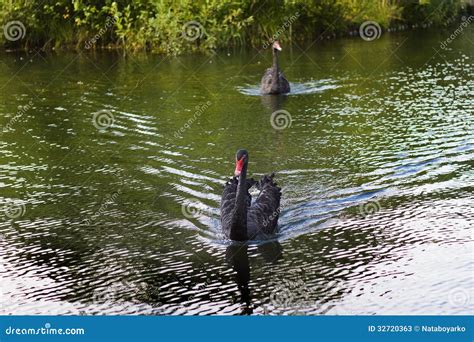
228, 199
268, 73
264, 213
228, 202
266, 78
285, 85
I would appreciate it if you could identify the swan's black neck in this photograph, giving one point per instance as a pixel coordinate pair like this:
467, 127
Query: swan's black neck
275, 66
275, 69
238, 228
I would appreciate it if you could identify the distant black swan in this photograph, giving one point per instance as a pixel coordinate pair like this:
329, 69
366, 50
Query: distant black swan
242, 220
273, 81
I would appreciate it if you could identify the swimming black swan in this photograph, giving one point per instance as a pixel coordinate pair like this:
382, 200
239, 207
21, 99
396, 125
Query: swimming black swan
273, 81
242, 220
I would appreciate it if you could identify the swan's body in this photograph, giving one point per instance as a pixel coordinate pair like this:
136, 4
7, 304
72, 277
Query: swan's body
273, 81
241, 219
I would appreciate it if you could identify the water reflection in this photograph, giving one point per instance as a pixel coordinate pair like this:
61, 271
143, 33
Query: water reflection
274, 102
237, 255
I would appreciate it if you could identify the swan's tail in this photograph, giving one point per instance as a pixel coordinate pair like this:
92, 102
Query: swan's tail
267, 180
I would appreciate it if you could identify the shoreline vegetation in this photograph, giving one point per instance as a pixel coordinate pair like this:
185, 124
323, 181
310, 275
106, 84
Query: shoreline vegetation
182, 26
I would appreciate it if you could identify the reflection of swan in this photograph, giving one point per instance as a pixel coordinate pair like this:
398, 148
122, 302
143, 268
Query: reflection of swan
237, 256
273, 102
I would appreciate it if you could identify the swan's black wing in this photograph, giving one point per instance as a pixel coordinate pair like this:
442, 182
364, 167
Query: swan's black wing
228, 201
284, 84
267, 76
263, 214
266, 82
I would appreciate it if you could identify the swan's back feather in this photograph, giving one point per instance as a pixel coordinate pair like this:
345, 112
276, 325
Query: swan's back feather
228, 201
262, 216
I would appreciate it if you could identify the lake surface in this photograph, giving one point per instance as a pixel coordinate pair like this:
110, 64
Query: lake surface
112, 169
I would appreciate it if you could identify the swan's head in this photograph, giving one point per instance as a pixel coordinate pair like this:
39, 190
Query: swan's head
276, 45
241, 159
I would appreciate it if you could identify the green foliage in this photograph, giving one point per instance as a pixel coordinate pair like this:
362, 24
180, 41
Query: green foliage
438, 12
159, 25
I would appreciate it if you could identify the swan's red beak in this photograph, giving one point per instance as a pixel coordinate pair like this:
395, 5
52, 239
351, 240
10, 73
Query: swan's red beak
276, 45
238, 166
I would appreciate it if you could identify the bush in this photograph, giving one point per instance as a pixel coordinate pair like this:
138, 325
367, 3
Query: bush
178, 26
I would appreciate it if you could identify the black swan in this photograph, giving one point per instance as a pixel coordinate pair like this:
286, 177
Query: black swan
273, 81
241, 219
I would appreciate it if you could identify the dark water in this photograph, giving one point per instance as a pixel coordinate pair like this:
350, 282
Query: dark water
112, 169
